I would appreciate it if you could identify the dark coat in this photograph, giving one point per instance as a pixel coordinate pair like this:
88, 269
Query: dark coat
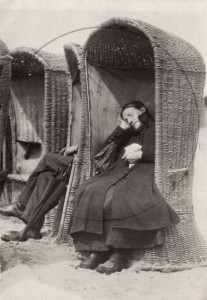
137, 203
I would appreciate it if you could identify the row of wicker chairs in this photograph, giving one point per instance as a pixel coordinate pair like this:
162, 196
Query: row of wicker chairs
121, 61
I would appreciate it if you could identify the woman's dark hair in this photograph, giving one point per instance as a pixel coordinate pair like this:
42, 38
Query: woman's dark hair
138, 105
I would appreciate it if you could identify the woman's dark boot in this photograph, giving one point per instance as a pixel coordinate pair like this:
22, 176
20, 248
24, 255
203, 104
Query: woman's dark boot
118, 261
93, 260
83, 255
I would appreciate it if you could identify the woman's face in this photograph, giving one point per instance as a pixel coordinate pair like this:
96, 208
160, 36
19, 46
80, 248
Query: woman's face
130, 116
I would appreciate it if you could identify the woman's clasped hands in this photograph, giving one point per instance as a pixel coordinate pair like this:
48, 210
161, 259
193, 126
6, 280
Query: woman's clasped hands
132, 153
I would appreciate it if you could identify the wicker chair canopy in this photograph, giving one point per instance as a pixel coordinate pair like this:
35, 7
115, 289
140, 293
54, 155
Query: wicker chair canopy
73, 58
39, 111
52, 68
5, 74
126, 60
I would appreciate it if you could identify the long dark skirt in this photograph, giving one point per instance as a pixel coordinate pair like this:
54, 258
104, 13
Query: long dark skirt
116, 237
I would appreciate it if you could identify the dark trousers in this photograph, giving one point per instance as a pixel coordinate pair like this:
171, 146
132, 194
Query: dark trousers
50, 166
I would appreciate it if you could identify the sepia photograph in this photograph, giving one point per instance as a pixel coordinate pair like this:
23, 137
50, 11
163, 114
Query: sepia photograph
103, 149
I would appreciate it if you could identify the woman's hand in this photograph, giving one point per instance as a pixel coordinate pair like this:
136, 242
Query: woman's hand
124, 125
134, 157
133, 153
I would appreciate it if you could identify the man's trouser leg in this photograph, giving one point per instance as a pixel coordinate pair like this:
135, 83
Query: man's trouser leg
50, 166
50, 162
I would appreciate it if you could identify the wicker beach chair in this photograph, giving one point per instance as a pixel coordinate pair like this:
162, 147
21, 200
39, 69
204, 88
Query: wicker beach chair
38, 114
5, 76
73, 57
126, 60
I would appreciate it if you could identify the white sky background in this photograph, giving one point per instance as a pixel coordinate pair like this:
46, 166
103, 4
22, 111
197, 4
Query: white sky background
32, 23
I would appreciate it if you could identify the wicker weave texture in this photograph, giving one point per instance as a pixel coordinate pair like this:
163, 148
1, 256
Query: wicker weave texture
5, 74
179, 82
28, 62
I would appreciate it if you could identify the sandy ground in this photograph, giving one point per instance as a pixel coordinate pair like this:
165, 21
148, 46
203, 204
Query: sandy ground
42, 270
38, 270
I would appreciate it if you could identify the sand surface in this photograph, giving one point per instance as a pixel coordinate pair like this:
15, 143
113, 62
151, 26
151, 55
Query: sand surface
40, 270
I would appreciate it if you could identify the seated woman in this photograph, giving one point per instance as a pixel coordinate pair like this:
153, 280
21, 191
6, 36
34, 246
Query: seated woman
121, 208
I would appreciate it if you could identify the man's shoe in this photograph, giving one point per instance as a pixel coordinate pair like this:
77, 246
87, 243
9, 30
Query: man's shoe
117, 262
93, 260
14, 210
15, 236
